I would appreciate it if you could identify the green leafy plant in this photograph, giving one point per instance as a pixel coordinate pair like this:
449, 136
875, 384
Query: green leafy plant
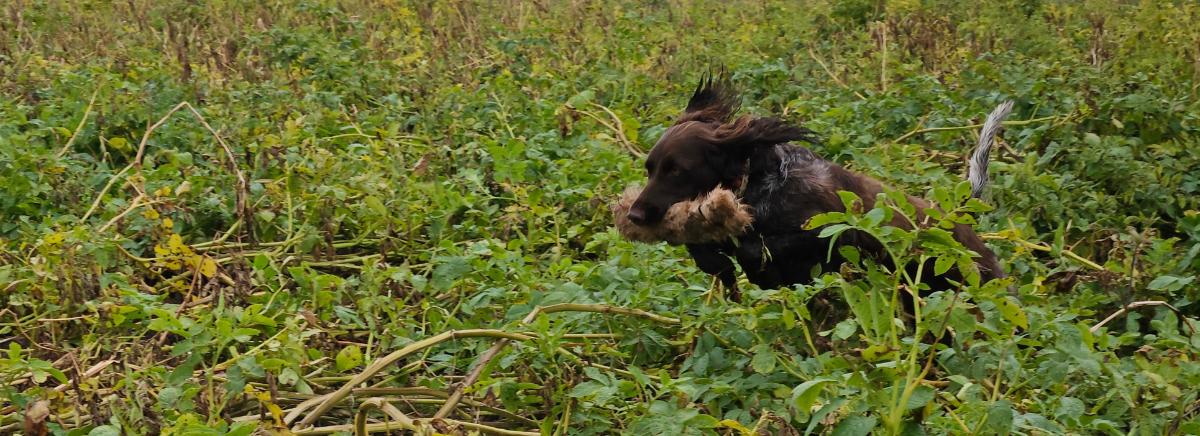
234, 216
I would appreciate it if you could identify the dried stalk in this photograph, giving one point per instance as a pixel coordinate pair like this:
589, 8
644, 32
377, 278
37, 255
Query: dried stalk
243, 184
326, 402
86, 113
456, 393
616, 126
835, 78
1040, 247
1138, 304
974, 126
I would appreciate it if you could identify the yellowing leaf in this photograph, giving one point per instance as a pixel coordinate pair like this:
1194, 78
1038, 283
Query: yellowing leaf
264, 398
175, 243
1012, 312
119, 143
208, 267
876, 353
729, 423
350, 357
54, 238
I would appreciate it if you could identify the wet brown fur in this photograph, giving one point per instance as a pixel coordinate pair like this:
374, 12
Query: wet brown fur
783, 185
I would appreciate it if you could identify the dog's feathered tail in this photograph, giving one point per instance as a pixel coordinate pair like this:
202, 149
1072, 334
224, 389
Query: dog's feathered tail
977, 172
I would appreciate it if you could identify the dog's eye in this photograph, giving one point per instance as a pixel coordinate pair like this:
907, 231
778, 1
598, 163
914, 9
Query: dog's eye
668, 167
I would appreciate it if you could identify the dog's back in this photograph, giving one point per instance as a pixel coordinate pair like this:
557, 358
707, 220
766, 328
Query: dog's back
788, 184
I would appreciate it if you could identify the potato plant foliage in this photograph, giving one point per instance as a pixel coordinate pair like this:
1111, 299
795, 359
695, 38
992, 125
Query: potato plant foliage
360, 200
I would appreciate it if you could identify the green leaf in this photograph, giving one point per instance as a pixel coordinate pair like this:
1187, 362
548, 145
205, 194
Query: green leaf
875, 217
850, 253
288, 376
833, 230
168, 396
57, 374
242, 429
235, 381
824, 411
244, 334
845, 329
418, 282
261, 261
581, 99
825, 218
586, 390
630, 126
375, 205
639, 376
702, 421
1190, 427
999, 417
962, 190
350, 357
1169, 283
763, 361
1070, 408
804, 395
272, 363
921, 396
183, 372
943, 264
938, 238
252, 367
449, 269
857, 425
849, 199
105, 430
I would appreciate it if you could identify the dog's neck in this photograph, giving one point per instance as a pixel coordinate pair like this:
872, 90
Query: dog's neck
770, 167
755, 168
784, 169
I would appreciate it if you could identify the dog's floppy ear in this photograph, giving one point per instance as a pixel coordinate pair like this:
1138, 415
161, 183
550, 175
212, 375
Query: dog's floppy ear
743, 136
714, 100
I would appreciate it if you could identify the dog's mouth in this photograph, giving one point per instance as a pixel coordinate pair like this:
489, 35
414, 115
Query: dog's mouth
715, 216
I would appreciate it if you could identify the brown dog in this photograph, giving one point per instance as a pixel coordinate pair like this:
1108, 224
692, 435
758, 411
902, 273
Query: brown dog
784, 185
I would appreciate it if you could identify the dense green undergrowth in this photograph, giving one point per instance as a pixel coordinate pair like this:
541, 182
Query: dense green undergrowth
351, 179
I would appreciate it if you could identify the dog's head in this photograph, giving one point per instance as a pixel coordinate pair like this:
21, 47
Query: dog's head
704, 149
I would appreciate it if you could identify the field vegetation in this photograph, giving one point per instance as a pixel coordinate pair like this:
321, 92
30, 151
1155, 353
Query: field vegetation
321, 216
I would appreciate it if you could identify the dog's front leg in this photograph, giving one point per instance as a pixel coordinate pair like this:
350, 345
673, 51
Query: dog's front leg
712, 259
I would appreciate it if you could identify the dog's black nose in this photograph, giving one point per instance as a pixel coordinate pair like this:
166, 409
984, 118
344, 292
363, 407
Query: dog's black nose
637, 215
